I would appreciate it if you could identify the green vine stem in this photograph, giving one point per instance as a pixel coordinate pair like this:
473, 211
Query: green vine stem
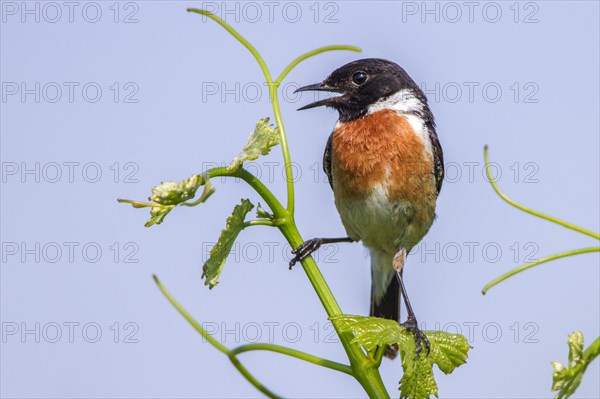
293, 353
529, 210
592, 352
238, 365
541, 216
278, 210
305, 56
362, 367
538, 262
233, 353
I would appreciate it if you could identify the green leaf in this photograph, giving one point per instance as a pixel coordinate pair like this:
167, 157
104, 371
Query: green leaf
167, 195
448, 351
218, 255
566, 380
259, 143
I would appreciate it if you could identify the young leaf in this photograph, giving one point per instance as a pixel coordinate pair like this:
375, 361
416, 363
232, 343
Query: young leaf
167, 195
259, 143
218, 255
417, 381
262, 214
171, 193
370, 332
448, 351
566, 380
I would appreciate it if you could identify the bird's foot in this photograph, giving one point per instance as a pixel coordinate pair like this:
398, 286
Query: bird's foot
411, 325
305, 249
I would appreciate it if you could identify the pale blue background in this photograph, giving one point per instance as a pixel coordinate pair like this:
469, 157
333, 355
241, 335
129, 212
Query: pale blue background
171, 132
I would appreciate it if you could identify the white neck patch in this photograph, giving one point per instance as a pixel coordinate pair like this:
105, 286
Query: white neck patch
404, 101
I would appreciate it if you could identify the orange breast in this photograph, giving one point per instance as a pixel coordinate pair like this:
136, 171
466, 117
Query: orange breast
382, 148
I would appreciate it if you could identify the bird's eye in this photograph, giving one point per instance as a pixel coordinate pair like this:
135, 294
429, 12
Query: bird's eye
359, 78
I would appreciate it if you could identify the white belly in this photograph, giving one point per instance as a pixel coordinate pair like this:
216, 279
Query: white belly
383, 224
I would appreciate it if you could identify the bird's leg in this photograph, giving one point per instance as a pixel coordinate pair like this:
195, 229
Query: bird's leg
411, 322
310, 246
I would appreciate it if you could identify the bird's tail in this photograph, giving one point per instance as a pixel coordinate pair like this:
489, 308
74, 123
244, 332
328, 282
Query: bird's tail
385, 292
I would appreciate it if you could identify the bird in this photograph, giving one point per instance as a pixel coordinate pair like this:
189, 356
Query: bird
385, 165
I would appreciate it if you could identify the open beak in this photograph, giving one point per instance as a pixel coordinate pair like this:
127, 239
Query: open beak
318, 87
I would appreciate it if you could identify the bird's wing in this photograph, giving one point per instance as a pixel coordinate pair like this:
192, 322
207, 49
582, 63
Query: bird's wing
327, 160
438, 159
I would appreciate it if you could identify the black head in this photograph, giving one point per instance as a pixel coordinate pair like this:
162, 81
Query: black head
363, 83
